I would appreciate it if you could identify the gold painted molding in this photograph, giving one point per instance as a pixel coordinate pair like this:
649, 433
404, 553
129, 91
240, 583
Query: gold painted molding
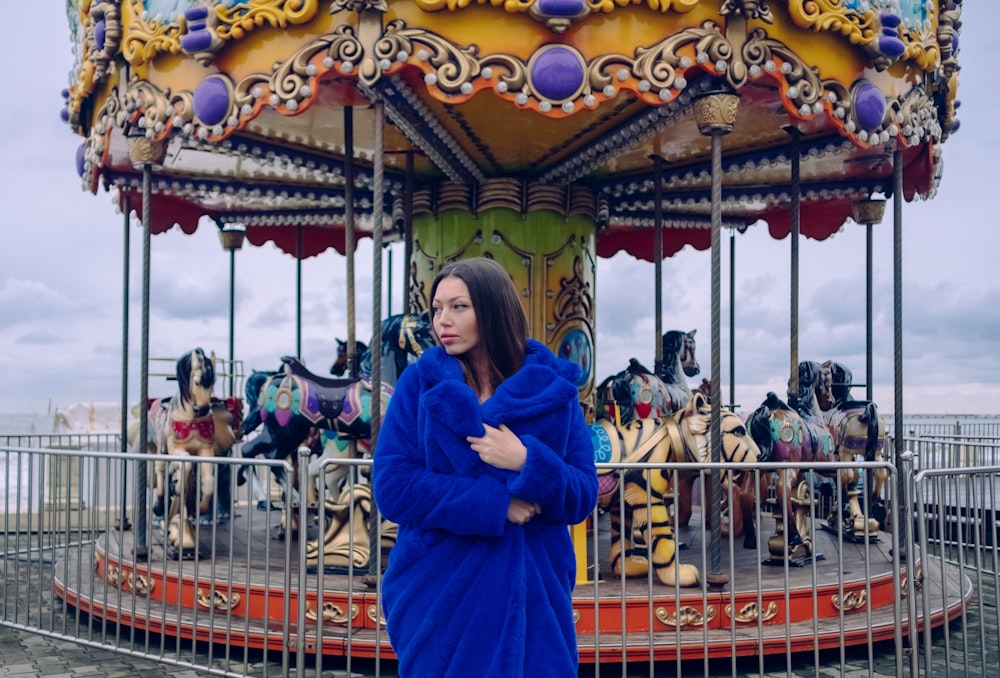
751, 613
853, 600
146, 38
685, 616
333, 613
218, 600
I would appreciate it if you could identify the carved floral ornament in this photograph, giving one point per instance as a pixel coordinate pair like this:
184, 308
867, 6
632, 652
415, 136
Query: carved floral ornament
557, 80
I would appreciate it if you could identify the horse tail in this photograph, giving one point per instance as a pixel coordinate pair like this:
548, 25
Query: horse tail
870, 417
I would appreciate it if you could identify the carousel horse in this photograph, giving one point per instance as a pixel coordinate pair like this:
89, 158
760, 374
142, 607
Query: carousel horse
638, 393
681, 437
339, 366
799, 433
858, 432
404, 338
188, 425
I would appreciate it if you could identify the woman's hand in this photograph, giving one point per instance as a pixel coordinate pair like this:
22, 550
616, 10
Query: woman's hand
519, 512
499, 447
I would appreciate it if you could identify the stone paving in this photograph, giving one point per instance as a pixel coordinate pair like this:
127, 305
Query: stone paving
26, 600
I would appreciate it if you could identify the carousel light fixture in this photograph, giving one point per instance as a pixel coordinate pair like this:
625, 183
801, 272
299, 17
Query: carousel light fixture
868, 211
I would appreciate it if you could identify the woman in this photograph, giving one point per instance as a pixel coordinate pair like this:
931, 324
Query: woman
484, 460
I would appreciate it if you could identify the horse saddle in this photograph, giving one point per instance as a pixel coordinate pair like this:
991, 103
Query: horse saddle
329, 393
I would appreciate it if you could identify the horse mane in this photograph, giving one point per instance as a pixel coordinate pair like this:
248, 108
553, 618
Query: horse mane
759, 424
251, 389
805, 400
672, 342
842, 379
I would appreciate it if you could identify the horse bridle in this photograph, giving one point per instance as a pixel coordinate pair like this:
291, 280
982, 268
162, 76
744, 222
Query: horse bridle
408, 336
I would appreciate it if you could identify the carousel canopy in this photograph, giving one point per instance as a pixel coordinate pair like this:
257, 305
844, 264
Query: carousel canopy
249, 110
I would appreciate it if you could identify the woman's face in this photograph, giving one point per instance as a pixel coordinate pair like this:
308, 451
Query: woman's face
454, 318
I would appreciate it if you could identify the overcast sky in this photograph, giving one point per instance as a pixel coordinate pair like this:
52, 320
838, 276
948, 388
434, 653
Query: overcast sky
61, 271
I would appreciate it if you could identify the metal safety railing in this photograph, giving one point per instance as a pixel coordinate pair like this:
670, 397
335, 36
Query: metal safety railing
259, 597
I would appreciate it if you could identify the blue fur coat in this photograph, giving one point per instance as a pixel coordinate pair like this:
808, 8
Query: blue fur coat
467, 593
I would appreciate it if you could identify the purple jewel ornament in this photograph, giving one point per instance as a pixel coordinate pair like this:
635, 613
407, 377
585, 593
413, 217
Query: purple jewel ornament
869, 106
557, 74
211, 100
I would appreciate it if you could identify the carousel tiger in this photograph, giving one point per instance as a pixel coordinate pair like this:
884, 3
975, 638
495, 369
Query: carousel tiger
638, 500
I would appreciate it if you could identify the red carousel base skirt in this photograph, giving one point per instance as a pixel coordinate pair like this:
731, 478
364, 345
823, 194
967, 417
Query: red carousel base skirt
235, 594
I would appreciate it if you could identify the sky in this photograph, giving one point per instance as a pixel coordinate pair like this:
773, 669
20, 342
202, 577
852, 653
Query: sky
61, 272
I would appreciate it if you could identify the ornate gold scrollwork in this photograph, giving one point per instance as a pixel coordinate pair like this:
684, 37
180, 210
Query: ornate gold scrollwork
375, 616
148, 37
239, 19
113, 575
139, 584
219, 600
853, 600
663, 6
832, 15
145, 38
685, 616
751, 613
333, 614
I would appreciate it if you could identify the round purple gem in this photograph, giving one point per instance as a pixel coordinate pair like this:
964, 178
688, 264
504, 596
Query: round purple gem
560, 7
81, 161
100, 33
211, 100
869, 106
557, 74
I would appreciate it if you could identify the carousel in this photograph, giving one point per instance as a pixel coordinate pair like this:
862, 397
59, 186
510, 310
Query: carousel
545, 134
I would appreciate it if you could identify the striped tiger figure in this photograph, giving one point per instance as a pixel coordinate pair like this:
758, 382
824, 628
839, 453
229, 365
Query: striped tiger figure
682, 437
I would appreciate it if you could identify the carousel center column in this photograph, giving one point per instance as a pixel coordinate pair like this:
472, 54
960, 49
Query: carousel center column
543, 235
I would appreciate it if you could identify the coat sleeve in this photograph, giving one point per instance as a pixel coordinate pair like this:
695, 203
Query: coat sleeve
565, 486
408, 493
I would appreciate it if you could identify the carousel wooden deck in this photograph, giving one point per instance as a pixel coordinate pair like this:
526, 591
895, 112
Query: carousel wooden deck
244, 591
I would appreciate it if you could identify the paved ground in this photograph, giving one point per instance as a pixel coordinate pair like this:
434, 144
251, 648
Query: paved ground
26, 654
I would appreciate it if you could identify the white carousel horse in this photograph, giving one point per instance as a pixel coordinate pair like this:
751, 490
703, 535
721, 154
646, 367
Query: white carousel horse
638, 393
188, 425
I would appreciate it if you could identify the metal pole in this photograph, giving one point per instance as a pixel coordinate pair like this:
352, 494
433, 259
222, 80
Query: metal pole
793, 380
658, 265
869, 322
897, 325
232, 300
298, 291
732, 319
408, 305
141, 546
378, 172
716, 482
127, 205
349, 241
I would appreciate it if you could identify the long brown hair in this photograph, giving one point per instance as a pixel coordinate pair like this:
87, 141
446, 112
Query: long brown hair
503, 327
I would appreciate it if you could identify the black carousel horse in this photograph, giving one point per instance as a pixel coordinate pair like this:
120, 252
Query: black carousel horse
294, 407
340, 364
638, 393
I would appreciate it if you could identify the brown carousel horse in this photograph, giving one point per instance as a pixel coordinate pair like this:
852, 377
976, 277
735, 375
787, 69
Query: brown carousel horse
189, 425
681, 437
795, 433
858, 433
638, 393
